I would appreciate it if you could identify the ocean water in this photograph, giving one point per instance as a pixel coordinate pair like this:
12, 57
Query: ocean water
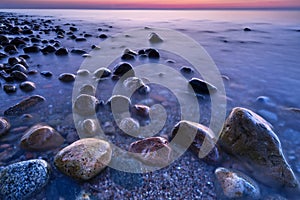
262, 62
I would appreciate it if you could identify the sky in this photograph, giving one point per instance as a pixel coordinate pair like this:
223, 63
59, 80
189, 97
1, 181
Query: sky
156, 4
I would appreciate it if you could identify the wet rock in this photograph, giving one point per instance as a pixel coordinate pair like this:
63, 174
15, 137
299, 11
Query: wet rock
140, 110
154, 38
13, 60
73, 29
202, 87
46, 73
4, 126
184, 131
81, 39
119, 103
41, 138
127, 57
102, 73
247, 29
32, 49
17, 42
11, 49
89, 126
3, 40
20, 68
3, 55
7, 77
61, 52
154, 151
86, 104
27, 86
86, 35
88, 89
78, 51
251, 139
83, 72
265, 101
236, 185
24, 179
19, 76
84, 158
102, 36
133, 83
152, 53
35, 40
144, 89
123, 68
25, 56
130, 126
48, 49
24, 105
186, 70
66, 77
9, 88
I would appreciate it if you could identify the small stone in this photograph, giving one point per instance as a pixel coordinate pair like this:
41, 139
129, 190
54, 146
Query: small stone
24, 179
119, 103
32, 49
102, 73
46, 73
19, 76
61, 52
133, 83
236, 185
73, 29
184, 132
83, 72
81, 39
154, 38
251, 139
13, 61
130, 126
67, 77
27, 86
202, 87
9, 88
41, 138
127, 57
24, 105
20, 68
3, 55
3, 40
11, 49
108, 128
84, 158
186, 70
89, 126
4, 126
140, 110
247, 29
265, 101
88, 89
102, 36
17, 42
86, 35
48, 49
86, 104
123, 68
78, 51
154, 151
152, 53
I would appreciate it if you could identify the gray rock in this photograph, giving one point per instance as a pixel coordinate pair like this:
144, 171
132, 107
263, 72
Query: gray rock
84, 158
86, 104
251, 139
4, 126
236, 185
24, 179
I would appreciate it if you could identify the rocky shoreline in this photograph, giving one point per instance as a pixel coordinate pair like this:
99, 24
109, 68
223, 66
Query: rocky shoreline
40, 158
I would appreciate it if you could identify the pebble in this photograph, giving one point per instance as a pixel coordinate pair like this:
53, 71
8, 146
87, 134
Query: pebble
265, 101
247, 29
236, 185
48, 49
154, 38
130, 126
73, 29
88, 89
78, 51
154, 151
11, 49
85, 104
41, 138
102, 36
140, 110
250, 138
81, 39
119, 103
61, 52
19, 76
127, 57
32, 49
20, 68
102, 73
24, 179
17, 42
66, 77
152, 53
185, 133
76, 161
3, 40
46, 73
89, 126
24, 105
4, 126
123, 68
133, 83
9, 88
186, 70
202, 87
27, 86
83, 72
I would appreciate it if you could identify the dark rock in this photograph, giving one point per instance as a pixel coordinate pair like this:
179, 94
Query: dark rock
4, 126
62, 52
15, 30
102, 73
66, 77
19, 76
20, 68
123, 68
3, 55
17, 42
24, 105
73, 37
48, 49
24, 179
25, 56
35, 40
46, 73
80, 39
87, 35
202, 87
13, 60
247, 29
11, 49
102, 36
152, 53
27, 86
144, 89
251, 139
8, 88
153, 151
78, 51
127, 56
73, 29
142, 51
3, 40
32, 49
32, 72
186, 70
27, 32
41, 138
140, 110
6, 76
197, 135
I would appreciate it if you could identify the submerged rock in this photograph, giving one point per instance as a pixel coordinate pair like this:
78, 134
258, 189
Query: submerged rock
66, 77
123, 68
24, 179
32, 49
46, 73
9, 88
86, 104
62, 52
24, 105
236, 185
202, 87
41, 138
251, 139
154, 151
140, 110
154, 38
27, 86
4, 126
152, 53
187, 130
102, 73
84, 158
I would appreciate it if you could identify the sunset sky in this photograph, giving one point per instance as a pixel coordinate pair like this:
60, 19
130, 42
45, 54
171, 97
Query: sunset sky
150, 4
